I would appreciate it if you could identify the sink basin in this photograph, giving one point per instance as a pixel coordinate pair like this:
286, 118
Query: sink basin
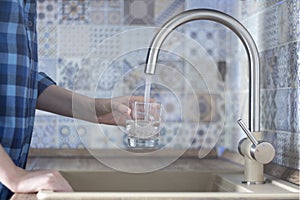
167, 184
148, 182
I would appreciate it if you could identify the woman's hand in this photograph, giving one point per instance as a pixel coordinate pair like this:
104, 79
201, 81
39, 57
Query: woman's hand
34, 181
19, 180
115, 111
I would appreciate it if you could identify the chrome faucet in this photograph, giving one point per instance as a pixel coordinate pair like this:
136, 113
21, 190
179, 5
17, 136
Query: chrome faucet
253, 57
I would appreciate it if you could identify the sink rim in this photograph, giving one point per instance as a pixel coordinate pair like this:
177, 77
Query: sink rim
47, 194
242, 190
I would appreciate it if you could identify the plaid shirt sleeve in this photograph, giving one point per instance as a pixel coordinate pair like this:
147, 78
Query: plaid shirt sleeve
44, 81
20, 82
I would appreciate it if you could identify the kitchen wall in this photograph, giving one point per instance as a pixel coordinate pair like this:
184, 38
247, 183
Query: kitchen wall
275, 27
77, 37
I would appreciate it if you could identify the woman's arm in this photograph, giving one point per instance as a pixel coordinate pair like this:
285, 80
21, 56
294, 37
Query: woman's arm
60, 101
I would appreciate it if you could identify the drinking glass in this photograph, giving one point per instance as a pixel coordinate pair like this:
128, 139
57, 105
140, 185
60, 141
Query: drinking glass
144, 127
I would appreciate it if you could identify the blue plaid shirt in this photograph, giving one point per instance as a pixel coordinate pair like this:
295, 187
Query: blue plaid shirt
20, 82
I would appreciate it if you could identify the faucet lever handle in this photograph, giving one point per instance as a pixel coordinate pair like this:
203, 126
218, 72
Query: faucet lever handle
248, 132
261, 151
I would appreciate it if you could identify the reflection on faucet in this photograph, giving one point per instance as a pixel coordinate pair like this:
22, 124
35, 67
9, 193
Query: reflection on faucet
235, 26
251, 50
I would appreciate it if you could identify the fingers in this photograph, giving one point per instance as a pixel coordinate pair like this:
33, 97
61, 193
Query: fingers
55, 181
136, 98
62, 183
139, 99
115, 118
34, 181
120, 110
123, 109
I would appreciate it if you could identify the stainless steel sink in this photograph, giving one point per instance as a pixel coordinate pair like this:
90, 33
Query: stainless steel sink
167, 184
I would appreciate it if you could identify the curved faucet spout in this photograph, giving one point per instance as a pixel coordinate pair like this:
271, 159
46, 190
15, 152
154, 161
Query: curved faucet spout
237, 28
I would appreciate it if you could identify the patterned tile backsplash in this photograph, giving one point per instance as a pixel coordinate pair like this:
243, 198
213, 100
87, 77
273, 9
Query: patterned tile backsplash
277, 36
77, 38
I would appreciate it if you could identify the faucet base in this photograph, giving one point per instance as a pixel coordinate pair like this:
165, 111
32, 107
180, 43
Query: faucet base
253, 182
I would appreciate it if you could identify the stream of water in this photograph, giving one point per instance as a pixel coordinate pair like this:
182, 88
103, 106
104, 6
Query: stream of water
148, 80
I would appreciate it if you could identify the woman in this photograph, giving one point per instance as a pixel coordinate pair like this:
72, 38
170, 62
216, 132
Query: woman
23, 89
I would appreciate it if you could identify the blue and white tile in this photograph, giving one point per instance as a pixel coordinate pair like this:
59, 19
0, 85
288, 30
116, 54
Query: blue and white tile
45, 132
236, 72
193, 4
280, 66
207, 38
268, 61
293, 64
249, 8
190, 108
133, 84
199, 140
101, 137
293, 19
176, 136
297, 66
73, 12
106, 137
172, 105
211, 107
139, 12
165, 9
202, 53
286, 106
286, 148
67, 134
280, 72
228, 6
204, 108
136, 39
230, 137
268, 110
285, 69
115, 4
66, 72
170, 74
283, 22
94, 77
207, 137
49, 66
268, 3
106, 12
236, 107
268, 28
73, 41
47, 40
110, 75
105, 41
83, 73
287, 112
244, 8
132, 70
98, 17
114, 17
297, 113
200, 79
47, 12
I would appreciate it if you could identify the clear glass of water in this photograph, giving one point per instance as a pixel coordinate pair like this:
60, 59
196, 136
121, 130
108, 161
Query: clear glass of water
143, 130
